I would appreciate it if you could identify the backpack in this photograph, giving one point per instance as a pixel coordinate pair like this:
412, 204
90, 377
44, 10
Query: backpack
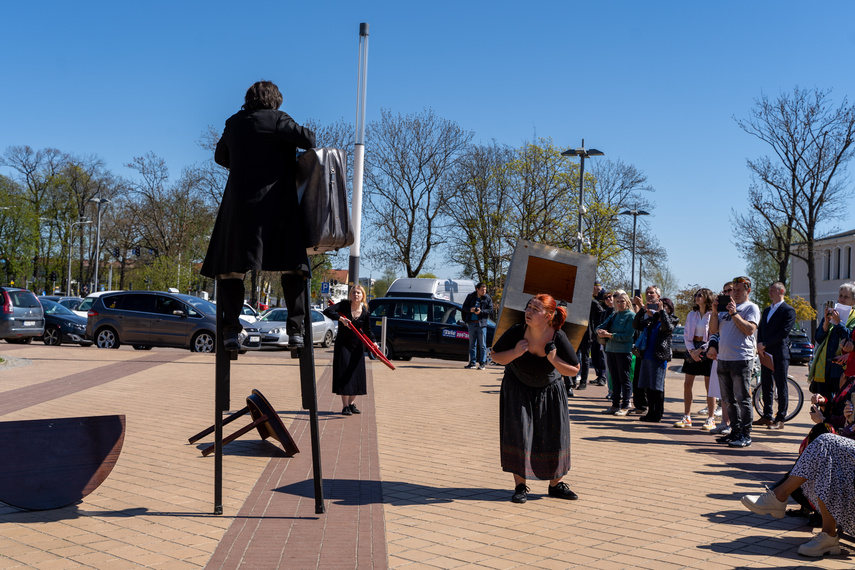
322, 192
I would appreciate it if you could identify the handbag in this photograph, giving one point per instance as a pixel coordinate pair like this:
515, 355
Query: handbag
640, 343
322, 192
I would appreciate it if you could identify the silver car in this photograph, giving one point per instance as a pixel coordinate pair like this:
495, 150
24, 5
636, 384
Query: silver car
22, 317
271, 327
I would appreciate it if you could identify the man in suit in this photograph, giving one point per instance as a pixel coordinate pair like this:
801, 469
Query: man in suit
773, 336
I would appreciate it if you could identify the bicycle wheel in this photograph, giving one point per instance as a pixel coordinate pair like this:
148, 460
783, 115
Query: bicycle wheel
795, 396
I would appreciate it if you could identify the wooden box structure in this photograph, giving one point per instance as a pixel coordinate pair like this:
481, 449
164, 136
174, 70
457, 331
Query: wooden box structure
566, 275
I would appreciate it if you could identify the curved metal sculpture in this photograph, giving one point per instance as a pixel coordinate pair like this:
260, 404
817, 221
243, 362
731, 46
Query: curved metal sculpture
52, 463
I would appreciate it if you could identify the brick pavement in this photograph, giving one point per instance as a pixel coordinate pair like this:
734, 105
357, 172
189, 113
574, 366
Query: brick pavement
413, 482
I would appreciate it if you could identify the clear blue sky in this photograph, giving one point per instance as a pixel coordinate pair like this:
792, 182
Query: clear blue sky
654, 84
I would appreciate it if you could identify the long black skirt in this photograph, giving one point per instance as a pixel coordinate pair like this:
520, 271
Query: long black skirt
534, 429
349, 370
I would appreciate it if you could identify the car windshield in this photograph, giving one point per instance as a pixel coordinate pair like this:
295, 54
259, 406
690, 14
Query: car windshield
199, 304
52, 308
275, 315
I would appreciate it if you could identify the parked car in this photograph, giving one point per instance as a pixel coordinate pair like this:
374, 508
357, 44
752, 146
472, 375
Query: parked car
70, 303
801, 348
145, 319
62, 325
83, 308
678, 345
248, 314
426, 327
454, 290
22, 317
271, 327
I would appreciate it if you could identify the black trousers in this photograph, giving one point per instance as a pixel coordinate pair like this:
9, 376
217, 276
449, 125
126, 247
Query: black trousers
639, 397
296, 301
656, 404
230, 294
771, 379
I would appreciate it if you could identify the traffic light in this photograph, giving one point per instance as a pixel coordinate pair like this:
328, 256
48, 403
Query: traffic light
53, 275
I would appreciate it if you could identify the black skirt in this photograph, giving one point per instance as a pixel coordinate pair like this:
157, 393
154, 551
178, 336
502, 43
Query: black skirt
535, 429
697, 368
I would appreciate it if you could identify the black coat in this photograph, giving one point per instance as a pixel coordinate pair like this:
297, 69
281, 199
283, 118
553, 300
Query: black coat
662, 342
775, 333
259, 225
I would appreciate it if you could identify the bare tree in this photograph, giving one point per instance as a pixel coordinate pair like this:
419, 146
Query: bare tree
803, 183
408, 161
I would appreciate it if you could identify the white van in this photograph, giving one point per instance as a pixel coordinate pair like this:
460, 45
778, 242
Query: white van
454, 290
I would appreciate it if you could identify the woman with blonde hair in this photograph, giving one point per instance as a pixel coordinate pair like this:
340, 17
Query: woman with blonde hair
349, 354
618, 329
697, 336
534, 436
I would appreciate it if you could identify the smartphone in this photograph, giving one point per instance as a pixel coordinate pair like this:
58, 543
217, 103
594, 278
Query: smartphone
829, 305
723, 301
636, 292
652, 307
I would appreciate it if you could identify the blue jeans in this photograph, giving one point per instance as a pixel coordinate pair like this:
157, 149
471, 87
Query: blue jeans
734, 377
477, 343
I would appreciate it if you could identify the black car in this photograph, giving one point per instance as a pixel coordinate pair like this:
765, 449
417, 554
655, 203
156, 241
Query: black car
801, 348
429, 328
63, 325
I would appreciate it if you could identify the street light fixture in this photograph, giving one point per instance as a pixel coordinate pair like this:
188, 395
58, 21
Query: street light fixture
635, 212
582, 153
100, 202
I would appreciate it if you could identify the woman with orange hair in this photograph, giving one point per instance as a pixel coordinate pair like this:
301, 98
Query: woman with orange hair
533, 421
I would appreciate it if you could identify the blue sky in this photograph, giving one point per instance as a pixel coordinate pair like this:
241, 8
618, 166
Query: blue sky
654, 84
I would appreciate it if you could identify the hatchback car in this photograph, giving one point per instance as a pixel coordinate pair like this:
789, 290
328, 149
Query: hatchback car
801, 348
63, 325
271, 328
67, 302
145, 319
22, 317
431, 328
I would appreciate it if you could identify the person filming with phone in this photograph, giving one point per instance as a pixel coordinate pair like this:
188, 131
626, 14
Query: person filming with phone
825, 374
735, 322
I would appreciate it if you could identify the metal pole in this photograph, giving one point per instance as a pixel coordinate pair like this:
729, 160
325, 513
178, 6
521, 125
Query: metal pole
97, 245
70, 247
359, 154
632, 271
581, 198
640, 258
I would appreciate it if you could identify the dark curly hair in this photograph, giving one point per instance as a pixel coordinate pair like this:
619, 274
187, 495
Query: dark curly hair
262, 95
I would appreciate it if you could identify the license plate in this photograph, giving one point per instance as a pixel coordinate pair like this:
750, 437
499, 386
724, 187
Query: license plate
254, 339
29, 323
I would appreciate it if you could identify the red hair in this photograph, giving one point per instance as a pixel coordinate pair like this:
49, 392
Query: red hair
557, 314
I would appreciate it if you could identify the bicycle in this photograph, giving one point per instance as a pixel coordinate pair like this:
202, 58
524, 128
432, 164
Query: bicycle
795, 395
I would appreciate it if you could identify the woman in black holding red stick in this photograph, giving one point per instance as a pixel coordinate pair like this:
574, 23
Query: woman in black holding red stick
349, 354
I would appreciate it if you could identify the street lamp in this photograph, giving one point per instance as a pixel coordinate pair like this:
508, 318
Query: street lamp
100, 202
635, 212
582, 153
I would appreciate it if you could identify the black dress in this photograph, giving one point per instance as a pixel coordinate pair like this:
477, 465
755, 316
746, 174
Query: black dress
534, 425
349, 353
259, 225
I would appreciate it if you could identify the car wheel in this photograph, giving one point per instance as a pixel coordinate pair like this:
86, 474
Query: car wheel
52, 336
203, 342
327, 339
107, 338
142, 347
390, 352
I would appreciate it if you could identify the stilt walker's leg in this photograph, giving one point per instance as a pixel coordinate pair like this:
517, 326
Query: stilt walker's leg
221, 398
310, 397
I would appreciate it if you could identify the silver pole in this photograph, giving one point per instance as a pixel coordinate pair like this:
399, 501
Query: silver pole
581, 197
359, 154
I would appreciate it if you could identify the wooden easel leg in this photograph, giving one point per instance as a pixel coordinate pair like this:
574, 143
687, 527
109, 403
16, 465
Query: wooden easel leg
229, 419
254, 424
310, 400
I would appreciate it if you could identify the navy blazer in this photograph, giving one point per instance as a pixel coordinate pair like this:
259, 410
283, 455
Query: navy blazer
775, 333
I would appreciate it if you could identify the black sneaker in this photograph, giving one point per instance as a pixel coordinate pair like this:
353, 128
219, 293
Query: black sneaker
230, 340
732, 436
582, 385
354, 409
295, 341
345, 411
742, 441
562, 491
520, 492
470, 366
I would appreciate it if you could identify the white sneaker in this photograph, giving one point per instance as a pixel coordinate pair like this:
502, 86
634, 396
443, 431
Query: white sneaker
721, 429
717, 412
766, 504
708, 425
821, 545
703, 411
685, 421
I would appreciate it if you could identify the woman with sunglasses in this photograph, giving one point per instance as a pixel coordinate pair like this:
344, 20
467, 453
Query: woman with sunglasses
619, 331
697, 336
534, 425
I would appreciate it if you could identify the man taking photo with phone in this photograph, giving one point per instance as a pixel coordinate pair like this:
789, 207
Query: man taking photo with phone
735, 326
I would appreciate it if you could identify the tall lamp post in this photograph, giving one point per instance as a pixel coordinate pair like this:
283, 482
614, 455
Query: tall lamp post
582, 153
635, 212
100, 202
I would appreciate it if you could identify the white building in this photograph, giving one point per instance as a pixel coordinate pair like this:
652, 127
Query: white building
833, 268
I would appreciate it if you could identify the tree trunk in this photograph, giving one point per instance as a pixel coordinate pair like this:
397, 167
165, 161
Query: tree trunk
811, 270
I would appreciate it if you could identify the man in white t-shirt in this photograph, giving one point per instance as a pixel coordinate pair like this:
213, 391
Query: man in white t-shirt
736, 327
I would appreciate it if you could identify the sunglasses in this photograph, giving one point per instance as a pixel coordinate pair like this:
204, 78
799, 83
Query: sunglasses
743, 280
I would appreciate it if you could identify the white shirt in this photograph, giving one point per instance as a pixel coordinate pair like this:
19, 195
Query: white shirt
772, 308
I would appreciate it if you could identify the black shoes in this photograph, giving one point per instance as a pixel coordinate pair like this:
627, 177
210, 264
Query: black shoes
732, 436
743, 440
354, 409
582, 385
230, 339
295, 341
346, 411
562, 491
520, 492
471, 366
